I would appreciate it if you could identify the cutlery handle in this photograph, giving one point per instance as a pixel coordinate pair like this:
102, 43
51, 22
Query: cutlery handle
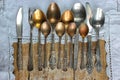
82, 65
53, 55
45, 55
71, 55
98, 53
76, 49
89, 64
30, 59
65, 54
39, 52
19, 56
59, 55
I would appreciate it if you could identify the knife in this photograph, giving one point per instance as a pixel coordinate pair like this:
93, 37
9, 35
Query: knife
19, 25
89, 64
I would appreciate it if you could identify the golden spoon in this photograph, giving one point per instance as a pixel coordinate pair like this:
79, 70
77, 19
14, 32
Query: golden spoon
45, 29
38, 18
71, 32
83, 31
60, 30
67, 17
53, 16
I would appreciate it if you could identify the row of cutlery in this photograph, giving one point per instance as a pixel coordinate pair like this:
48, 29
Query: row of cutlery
77, 21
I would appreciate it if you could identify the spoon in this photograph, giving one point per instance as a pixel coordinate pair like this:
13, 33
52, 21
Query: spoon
45, 29
71, 32
53, 16
97, 22
67, 17
60, 30
38, 18
83, 31
79, 16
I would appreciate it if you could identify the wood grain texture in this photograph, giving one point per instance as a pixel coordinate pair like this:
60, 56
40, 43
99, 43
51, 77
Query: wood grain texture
48, 74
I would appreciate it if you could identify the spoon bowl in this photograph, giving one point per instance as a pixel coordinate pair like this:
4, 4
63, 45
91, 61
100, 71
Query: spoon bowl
79, 13
53, 14
38, 17
67, 17
98, 19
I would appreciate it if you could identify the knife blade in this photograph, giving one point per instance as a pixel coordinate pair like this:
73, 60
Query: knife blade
19, 25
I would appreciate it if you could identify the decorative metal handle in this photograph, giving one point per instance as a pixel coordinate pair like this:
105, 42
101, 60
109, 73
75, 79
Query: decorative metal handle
39, 52
89, 64
65, 54
45, 55
82, 65
98, 61
52, 57
30, 59
59, 56
76, 48
19, 56
72, 55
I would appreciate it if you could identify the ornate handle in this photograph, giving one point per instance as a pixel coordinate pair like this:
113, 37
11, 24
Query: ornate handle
19, 56
89, 64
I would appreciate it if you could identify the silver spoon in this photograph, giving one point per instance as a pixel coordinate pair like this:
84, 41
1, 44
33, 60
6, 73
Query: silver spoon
97, 22
79, 16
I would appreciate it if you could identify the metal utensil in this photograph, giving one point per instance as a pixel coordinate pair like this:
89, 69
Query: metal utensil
53, 16
89, 64
97, 22
60, 30
45, 29
38, 18
19, 23
30, 59
79, 16
67, 17
83, 30
71, 32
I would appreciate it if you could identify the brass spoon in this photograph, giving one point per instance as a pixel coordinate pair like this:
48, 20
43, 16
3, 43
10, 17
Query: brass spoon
67, 17
53, 16
38, 18
71, 32
60, 30
45, 29
83, 30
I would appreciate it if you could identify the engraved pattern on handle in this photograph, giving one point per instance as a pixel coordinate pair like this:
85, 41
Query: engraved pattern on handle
65, 54
71, 55
30, 59
59, 54
76, 48
98, 61
39, 52
52, 56
19, 56
82, 65
89, 64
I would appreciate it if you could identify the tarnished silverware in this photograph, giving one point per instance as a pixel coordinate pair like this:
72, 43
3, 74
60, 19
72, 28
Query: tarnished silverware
89, 64
19, 25
45, 29
38, 18
67, 17
79, 16
83, 30
60, 30
53, 16
30, 59
97, 22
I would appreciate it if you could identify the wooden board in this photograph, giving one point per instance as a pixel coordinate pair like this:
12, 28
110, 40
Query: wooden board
48, 74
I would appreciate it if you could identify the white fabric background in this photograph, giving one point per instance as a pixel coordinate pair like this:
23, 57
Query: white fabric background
8, 28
